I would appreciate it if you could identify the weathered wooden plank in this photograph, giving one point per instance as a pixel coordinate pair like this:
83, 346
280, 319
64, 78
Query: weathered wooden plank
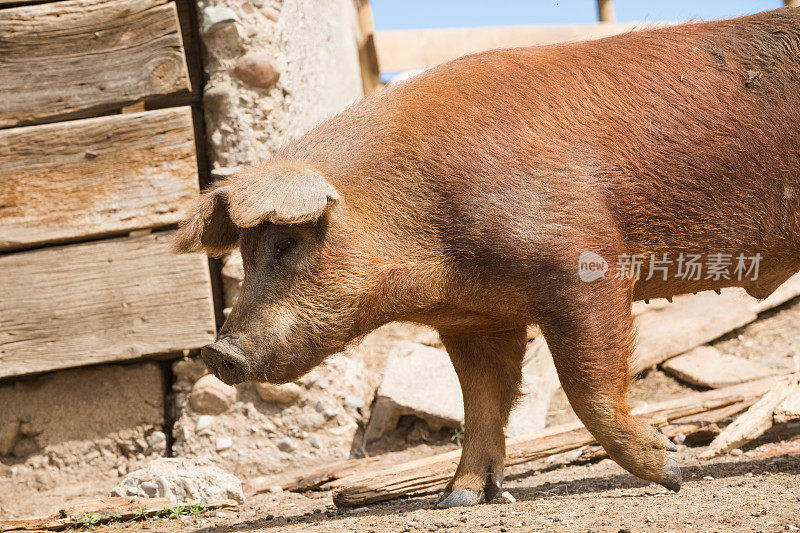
789, 409
103, 510
400, 50
754, 422
379, 484
81, 56
101, 301
96, 176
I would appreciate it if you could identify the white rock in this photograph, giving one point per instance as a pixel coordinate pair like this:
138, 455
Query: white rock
420, 381
354, 401
508, 497
223, 443
204, 421
182, 480
706, 366
216, 17
539, 383
157, 441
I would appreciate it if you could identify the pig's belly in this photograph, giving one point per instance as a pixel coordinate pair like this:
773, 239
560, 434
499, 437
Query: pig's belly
760, 277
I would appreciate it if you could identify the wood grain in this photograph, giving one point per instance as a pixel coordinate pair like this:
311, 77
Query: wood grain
429, 473
69, 58
102, 301
95, 177
112, 509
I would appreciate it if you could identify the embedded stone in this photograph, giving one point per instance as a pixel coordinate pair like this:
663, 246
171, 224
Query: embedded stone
217, 17
257, 70
210, 396
283, 394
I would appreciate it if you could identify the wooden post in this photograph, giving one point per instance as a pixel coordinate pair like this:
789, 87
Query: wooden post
792, 3
368, 56
605, 10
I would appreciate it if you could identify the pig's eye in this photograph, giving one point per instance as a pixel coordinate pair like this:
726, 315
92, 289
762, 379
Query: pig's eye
284, 246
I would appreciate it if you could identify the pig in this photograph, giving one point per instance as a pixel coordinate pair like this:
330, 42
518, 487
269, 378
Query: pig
468, 198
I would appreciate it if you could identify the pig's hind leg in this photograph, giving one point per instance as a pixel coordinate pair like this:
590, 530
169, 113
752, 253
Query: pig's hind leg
489, 368
590, 334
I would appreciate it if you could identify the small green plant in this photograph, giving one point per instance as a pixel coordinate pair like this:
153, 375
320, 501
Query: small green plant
87, 520
198, 508
458, 435
174, 511
141, 514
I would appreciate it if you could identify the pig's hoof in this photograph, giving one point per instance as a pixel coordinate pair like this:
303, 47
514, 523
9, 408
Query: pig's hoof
672, 479
493, 487
458, 498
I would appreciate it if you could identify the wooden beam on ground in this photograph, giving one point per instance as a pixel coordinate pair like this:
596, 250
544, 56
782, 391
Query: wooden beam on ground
400, 50
755, 422
93, 177
432, 473
316, 477
73, 58
789, 409
605, 11
103, 511
101, 301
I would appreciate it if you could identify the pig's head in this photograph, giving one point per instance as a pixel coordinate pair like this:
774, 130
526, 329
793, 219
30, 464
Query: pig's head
303, 281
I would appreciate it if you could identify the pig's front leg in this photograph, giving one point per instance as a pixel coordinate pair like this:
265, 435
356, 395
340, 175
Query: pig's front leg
591, 338
489, 368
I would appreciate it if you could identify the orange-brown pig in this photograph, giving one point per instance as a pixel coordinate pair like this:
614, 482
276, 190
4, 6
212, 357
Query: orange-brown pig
548, 185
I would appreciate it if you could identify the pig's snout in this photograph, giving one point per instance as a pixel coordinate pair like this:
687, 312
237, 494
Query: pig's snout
225, 361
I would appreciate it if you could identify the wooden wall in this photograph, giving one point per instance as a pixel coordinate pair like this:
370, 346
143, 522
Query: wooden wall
90, 191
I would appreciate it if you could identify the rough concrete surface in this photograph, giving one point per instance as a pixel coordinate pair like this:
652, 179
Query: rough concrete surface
255, 437
302, 57
61, 428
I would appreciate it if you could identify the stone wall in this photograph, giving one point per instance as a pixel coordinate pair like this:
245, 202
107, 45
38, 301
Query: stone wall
62, 429
274, 70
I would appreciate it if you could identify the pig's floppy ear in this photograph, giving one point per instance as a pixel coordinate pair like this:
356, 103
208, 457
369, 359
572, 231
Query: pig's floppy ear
208, 227
281, 195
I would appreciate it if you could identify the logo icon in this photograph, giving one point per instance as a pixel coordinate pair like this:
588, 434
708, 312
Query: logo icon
591, 266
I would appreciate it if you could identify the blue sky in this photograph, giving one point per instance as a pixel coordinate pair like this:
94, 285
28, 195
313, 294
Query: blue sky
409, 14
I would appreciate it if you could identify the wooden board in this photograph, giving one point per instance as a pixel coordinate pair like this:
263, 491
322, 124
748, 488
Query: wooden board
400, 50
789, 409
95, 177
379, 484
104, 511
84, 56
753, 423
101, 301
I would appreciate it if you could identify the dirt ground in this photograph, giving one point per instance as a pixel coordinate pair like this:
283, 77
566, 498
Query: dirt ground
756, 491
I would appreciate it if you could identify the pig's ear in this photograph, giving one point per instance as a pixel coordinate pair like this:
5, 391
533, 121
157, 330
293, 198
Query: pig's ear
281, 195
208, 228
